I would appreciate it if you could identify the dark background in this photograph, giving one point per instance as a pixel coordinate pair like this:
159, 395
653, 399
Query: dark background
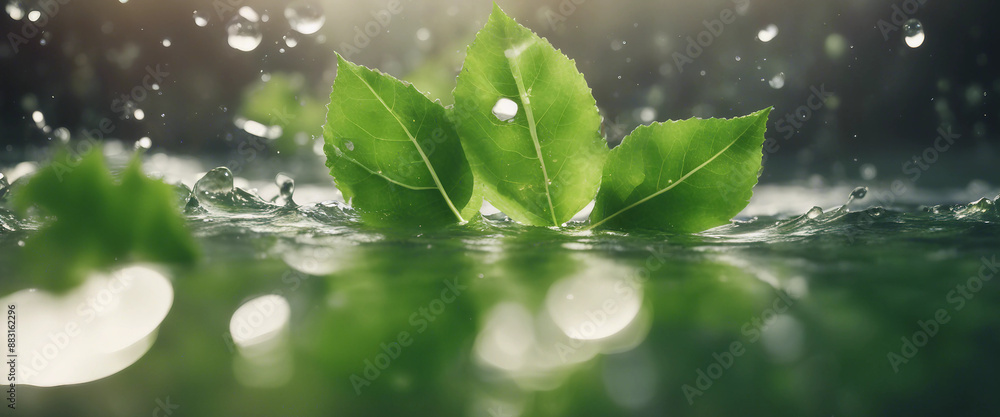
890, 98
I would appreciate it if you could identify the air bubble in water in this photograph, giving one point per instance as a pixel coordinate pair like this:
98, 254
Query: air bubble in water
200, 18
777, 81
216, 181
505, 109
286, 186
913, 33
305, 17
244, 30
814, 212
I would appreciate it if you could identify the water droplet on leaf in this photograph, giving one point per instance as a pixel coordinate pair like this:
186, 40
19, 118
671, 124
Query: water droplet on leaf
505, 109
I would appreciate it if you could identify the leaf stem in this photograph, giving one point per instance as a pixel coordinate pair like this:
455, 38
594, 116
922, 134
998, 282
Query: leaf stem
525, 100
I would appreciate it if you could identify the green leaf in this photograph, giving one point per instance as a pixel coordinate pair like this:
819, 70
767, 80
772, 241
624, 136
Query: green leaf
684, 176
99, 221
394, 153
543, 165
284, 101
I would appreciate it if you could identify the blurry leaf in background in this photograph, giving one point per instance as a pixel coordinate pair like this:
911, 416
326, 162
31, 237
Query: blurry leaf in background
283, 101
98, 221
436, 75
685, 176
529, 124
394, 154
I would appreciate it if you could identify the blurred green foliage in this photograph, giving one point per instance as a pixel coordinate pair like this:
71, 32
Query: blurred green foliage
98, 221
282, 101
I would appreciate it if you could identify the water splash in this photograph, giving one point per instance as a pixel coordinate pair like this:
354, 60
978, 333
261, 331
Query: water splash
857, 194
286, 187
218, 181
3, 186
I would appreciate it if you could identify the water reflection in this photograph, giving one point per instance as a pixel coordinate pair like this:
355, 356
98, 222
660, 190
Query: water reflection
96, 330
259, 329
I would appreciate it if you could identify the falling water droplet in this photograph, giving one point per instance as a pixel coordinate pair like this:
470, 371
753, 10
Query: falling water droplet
216, 181
859, 193
200, 18
305, 17
349, 145
913, 33
62, 134
423, 34
814, 212
505, 109
869, 172
143, 143
777, 81
286, 186
291, 40
647, 114
166, 42
15, 9
244, 30
768, 33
